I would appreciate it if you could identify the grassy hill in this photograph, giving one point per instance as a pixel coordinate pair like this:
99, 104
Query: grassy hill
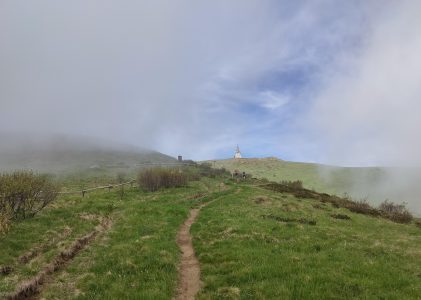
375, 184
256, 244
251, 243
314, 176
275, 169
64, 154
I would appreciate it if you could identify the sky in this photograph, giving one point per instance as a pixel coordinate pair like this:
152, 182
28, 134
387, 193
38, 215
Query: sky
326, 81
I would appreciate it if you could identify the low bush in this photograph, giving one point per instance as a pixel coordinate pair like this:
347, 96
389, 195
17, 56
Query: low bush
297, 184
340, 216
23, 194
395, 212
293, 187
158, 178
263, 180
206, 170
307, 221
318, 206
290, 220
362, 207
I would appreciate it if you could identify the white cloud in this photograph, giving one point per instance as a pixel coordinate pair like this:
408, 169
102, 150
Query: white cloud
272, 100
368, 109
161, 74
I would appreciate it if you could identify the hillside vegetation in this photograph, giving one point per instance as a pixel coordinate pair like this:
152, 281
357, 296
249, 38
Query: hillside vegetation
256, 244
252, 241
322, 178
372, 183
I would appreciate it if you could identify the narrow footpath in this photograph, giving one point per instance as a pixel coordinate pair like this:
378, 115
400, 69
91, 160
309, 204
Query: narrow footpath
189, 271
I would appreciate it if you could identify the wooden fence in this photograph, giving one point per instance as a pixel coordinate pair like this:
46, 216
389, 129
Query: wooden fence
131, 182
162, 164
109, 187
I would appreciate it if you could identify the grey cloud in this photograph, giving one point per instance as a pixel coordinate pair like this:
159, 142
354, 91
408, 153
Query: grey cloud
367, 110
160, 74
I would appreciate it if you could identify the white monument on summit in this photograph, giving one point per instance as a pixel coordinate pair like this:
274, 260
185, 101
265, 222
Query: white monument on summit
237, 153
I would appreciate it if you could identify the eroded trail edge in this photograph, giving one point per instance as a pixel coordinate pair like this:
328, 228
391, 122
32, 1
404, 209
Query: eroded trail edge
31, 288
189, 271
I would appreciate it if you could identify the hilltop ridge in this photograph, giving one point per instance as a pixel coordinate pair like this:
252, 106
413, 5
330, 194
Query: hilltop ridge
375, 184
58, 154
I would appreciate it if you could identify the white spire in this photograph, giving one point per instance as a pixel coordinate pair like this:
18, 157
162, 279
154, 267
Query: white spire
237, 153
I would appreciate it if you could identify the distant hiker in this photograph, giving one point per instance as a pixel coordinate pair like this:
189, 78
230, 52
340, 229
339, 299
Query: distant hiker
244, 175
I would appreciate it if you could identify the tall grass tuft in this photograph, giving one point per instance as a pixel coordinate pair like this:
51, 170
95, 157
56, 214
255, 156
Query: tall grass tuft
5, 217
155, 179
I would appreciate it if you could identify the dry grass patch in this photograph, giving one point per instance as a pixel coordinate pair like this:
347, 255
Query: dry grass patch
231, 292
262, 200
6, 270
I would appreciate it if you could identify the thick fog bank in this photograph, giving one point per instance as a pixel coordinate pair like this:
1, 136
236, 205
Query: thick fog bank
397, 184
55, 153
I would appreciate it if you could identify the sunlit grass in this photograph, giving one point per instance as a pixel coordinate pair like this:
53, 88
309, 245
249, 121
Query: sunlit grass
252, 243
136, 259
249, 256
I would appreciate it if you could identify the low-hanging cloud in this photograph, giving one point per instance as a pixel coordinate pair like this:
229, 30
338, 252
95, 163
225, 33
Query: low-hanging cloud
367, 109
182, 77
306, 80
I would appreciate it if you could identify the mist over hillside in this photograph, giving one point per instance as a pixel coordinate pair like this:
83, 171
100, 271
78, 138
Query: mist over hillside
64, 153
374, 184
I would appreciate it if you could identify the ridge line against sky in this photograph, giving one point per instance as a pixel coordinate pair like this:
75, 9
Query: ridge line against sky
323, 81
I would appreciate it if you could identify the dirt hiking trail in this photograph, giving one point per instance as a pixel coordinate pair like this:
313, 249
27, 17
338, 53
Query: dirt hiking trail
189, 271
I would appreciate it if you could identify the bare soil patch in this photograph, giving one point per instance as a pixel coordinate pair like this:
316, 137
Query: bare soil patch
189, 270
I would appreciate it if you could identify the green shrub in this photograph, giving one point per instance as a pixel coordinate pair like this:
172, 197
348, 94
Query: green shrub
263, 180
395, 212
206, 170
298, 184
23, 194
157, 178
362, 207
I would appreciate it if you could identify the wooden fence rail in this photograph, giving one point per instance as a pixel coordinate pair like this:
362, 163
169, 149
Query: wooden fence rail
163, 164
109, 187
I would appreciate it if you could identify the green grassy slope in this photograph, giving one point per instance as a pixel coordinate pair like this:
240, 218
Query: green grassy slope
275, 169
136, 259
244, 250
257, 244
400, 185
314, 176
356, 182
